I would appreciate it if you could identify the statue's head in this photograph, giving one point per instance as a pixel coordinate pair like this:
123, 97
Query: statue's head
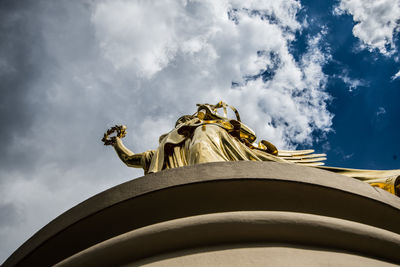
210, 112
184, 119
181, 120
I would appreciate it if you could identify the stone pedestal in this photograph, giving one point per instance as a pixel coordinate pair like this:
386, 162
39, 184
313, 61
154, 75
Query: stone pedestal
225, 214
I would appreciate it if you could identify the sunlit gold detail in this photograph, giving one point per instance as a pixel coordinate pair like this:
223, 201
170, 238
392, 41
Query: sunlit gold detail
120, 131
389, 184
207, 136
388, 180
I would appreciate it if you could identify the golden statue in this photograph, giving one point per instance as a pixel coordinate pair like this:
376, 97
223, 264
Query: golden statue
207, 136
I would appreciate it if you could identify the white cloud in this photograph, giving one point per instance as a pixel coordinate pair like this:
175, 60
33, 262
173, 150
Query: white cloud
379, 121
397, 75
376, 22
138, 35
351, 83
381, 111
194, 51
143, 64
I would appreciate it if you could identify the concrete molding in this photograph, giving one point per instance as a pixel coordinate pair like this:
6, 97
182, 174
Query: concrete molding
205, 189
259, 255
240, 228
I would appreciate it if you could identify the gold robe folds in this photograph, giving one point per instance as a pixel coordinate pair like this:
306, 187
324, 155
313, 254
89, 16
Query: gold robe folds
388, 180
204, 142
208, 137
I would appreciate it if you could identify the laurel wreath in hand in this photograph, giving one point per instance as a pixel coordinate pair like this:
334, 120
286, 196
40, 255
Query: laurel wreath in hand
120, 131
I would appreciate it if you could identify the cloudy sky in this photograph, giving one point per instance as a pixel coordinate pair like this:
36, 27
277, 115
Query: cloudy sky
321, 74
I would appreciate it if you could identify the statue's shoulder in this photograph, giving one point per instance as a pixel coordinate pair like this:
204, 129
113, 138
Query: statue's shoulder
180, 132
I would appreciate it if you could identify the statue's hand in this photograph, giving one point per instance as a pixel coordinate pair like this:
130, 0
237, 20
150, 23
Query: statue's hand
120, 131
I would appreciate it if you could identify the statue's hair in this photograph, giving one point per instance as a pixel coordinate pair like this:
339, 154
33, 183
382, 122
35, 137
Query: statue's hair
183, 119
162, 137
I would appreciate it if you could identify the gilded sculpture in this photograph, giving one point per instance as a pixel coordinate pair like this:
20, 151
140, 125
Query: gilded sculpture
207, 136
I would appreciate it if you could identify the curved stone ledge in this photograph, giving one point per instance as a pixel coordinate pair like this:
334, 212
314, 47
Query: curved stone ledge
259, 255
207, 189
240, 228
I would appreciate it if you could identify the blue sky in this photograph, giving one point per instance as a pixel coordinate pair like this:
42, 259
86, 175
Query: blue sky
364, 126
303, 74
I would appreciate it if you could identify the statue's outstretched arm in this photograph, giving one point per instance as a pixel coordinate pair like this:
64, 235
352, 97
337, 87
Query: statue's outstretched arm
127, 156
